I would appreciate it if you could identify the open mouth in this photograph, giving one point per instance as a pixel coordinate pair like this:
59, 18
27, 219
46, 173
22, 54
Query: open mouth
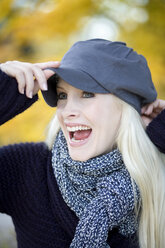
79, 133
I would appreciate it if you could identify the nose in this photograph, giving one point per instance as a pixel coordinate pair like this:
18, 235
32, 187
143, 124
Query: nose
70, 109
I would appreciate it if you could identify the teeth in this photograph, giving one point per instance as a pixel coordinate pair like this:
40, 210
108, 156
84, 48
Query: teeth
73, 129
73, 139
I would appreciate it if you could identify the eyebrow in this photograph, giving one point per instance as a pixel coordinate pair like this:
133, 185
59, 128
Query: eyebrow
59, 87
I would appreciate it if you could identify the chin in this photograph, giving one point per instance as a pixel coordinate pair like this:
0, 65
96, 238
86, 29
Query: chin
79, 157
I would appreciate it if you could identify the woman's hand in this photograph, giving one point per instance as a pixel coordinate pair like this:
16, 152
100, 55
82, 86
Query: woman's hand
30, 77
150, 111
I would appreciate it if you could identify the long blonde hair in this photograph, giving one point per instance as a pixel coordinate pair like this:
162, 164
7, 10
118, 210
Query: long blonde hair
146, 166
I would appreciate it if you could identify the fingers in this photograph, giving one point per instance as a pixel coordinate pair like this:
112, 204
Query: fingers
146, 120
11, 69
40, 77
45, 65
26, 74
29, 82
20, 77
152, 107
150, 111
48, 73
161, 104
30, 77
147, 110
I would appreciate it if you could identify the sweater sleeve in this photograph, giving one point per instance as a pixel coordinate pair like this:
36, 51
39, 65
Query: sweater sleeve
11, 101
14, 159
156, 131
22, 166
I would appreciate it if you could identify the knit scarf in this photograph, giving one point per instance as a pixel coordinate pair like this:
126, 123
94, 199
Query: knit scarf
99, 191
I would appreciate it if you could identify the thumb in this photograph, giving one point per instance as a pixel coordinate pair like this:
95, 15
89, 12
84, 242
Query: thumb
48, 73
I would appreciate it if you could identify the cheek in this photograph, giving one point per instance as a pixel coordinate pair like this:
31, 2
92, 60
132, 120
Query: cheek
102, 118
92, 112
59, 116
108, 122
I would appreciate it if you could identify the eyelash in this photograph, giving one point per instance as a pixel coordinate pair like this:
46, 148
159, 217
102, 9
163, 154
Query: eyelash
89, 94
59, 96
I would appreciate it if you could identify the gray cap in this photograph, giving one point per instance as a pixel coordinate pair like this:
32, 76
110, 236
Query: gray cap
102, 66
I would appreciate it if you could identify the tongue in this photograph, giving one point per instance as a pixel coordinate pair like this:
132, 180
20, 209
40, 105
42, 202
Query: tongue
80, 135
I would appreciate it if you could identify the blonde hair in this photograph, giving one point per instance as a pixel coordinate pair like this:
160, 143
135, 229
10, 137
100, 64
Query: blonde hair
146, 166
51, 131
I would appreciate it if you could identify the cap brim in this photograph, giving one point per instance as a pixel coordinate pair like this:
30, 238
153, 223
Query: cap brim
77, 78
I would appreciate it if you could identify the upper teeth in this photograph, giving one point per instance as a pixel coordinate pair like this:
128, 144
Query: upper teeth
73, 129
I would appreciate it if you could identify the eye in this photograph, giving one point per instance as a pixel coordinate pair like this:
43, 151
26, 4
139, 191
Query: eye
62, 96
88, 94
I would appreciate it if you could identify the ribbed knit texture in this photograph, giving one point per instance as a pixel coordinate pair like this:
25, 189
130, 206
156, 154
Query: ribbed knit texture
12, 102
99, 191
28, 189
156, 131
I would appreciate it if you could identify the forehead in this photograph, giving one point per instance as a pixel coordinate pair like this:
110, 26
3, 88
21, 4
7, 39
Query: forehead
61, 82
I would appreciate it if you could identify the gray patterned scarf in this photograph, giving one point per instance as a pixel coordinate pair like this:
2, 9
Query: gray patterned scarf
99, 191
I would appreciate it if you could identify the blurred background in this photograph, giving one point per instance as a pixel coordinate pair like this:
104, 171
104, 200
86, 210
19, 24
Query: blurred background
43, 30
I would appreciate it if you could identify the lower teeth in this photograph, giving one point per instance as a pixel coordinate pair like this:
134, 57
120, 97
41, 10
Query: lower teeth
73, 139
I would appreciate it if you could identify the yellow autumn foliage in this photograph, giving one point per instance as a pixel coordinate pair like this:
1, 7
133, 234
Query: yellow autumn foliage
40, 28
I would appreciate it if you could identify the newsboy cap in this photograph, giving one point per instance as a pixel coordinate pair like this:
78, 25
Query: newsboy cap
102, 66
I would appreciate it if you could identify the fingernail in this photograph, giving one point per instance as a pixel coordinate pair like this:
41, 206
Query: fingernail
22, 91
30, 95
44, 86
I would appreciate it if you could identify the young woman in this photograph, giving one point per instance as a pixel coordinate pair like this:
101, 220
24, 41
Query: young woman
98, 181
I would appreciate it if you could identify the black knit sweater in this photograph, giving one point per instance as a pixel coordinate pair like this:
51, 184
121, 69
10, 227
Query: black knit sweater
28, 189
